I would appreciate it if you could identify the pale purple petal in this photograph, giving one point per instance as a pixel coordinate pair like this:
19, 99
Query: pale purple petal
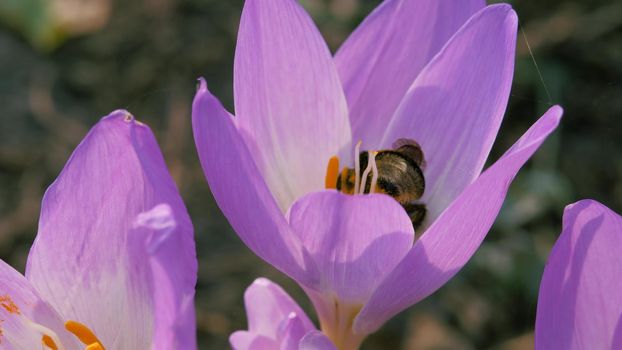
456, 104
580, 305
170, 246
171, 250
243, 340
316, 340
288, 97
89, 260
19, 335
239, 189
354, 240
450, 242
267, 305
275, 321
292, 331
383, 56
24, 314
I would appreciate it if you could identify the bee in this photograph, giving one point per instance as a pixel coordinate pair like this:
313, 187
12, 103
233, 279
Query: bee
399, 175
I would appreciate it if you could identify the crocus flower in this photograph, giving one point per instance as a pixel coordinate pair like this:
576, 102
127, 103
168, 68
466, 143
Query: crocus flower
275, 321
580, 305
113, 265
435, 72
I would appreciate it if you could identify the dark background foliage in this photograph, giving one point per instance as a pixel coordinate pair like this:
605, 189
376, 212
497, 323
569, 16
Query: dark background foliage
145, 55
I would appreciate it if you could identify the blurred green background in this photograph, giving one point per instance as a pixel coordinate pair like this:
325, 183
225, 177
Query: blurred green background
66, 63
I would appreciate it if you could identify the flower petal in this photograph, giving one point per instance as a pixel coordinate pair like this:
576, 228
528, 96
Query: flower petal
354, 240
292, 331
87, 259
267, 305
24, 315
579, 306
450, 242
19, 335
274, 319
169, 244
383, 56
243, 340
239, 189
455, 106
288, 97
316, 340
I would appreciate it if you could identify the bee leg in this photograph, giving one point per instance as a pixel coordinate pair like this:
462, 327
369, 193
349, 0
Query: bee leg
416, 212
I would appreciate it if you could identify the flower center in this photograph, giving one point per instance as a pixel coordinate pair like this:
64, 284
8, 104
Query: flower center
49, 339
351, 181
337, 321
397, 172
82, 332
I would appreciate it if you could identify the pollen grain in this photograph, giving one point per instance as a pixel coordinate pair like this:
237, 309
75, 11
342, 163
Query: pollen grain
7, 303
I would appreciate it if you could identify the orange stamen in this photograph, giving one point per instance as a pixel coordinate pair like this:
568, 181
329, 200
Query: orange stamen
47, 341
85, 335
332, 172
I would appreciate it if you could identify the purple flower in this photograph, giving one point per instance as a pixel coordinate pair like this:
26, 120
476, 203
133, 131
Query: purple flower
435, 72
275, 321
113, 265
580, 305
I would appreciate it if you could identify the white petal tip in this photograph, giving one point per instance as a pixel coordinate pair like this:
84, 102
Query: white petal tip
201, 85
261, 282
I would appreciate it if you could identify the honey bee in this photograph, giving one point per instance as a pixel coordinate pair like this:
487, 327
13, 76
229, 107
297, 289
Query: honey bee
399, 175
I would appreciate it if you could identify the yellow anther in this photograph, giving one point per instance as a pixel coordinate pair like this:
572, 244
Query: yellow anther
47, 341
81, 331
332, 171
84, 334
